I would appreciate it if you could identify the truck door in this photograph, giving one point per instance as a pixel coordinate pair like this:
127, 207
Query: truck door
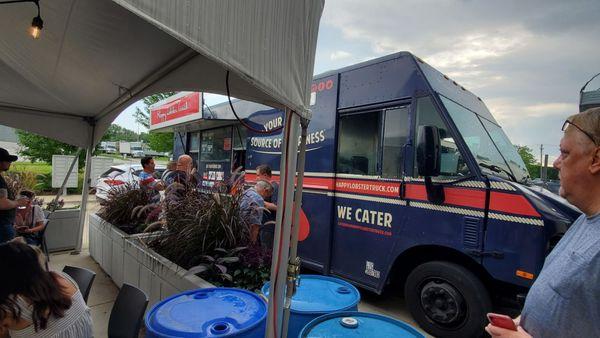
367, 213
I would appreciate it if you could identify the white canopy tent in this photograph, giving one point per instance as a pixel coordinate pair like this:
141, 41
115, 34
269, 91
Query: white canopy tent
96, 57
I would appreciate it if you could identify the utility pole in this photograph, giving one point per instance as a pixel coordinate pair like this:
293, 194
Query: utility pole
541, 159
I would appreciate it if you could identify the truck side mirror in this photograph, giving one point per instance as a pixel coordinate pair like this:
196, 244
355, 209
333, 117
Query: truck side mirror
428, 151
429, 161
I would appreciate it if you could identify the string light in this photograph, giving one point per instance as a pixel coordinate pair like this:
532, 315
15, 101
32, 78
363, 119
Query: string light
37, 23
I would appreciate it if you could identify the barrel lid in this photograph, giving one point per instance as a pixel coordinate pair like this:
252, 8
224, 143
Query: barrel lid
358, 324
206, 313
322, 294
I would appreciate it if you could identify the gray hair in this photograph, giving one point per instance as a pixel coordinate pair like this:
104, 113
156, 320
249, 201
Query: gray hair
264, 185
589, 121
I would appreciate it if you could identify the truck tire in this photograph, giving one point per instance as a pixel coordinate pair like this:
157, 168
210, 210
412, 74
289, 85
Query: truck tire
447, 300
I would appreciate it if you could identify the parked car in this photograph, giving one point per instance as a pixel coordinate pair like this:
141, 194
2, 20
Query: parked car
121, 174
111, 150
137, 153
550, 185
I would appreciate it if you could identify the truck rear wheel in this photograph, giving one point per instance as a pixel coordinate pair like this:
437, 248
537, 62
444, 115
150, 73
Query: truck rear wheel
447, 300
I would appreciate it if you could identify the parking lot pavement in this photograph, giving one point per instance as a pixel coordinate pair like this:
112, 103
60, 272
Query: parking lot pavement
387, 305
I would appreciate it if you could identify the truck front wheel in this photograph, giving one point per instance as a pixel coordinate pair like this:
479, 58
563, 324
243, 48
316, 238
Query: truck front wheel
447, 300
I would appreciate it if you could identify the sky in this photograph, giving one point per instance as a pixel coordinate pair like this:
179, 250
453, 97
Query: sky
527, 60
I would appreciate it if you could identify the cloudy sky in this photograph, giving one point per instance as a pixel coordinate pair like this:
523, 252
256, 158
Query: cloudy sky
526, 59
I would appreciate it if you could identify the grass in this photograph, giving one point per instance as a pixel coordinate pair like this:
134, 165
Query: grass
45, 169
37, 168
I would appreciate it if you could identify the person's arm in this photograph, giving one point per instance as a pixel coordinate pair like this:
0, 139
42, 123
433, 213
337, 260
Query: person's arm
39, 226
496, 331
5, 203
270, 206
499, 332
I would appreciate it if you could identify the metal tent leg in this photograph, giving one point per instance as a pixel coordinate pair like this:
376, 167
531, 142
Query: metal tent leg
84, 191
281, 243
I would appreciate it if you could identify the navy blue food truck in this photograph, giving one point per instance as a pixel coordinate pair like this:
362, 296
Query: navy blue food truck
411, 186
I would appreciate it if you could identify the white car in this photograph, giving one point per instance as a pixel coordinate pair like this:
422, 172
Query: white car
137, 153
121, 174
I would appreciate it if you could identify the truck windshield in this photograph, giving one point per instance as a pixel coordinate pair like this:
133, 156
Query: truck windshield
487, 142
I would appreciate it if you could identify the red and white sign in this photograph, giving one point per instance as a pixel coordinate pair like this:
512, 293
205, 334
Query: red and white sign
179, 108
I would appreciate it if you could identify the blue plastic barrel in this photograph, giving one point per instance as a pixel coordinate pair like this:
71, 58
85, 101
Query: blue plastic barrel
213, 312
358, 324
316, 296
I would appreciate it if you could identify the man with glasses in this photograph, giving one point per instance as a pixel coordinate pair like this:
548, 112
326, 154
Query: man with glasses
564, 301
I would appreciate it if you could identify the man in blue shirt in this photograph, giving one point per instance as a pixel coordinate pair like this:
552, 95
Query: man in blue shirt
252, 206
564, 301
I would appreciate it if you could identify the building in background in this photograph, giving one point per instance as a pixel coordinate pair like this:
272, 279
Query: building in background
8, 139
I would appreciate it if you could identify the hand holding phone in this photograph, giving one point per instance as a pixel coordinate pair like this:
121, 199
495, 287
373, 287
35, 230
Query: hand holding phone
22, 229
502, 321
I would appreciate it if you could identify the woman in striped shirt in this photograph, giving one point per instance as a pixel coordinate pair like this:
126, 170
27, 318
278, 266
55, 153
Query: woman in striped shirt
38, 303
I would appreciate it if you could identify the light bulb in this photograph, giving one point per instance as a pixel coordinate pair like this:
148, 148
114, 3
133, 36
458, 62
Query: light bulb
36, 27
34, 32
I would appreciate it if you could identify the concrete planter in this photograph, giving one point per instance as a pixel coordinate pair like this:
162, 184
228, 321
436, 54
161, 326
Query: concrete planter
62, 230
107, 247
154, 274
127, 259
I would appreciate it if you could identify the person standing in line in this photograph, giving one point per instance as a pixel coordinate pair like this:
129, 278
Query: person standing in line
267, 232
147, 179
8, 204
564, 300
171, 167
252, 204
185, 164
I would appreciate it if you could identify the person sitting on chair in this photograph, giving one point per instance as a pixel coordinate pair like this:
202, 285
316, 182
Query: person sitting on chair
30, 220
35, 302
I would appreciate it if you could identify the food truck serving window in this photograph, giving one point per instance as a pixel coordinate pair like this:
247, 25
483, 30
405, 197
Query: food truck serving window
216, 145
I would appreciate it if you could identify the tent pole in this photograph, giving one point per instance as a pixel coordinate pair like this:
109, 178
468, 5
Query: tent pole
84, 191
279, 264
292, 280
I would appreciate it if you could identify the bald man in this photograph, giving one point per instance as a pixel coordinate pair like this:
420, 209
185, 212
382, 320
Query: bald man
184, 170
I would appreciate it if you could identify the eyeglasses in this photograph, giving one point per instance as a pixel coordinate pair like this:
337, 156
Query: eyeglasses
567, 123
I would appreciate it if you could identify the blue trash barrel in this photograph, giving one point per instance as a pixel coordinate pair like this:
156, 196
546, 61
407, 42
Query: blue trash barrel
222, 312
316, 296
358, 324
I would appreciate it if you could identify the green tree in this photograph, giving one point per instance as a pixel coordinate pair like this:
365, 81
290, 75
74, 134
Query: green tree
162, 142
117, 133
40, 148
527, 155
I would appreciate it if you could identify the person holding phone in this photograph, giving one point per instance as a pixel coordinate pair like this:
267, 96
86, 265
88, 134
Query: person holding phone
8, 204
564, 300
30, 220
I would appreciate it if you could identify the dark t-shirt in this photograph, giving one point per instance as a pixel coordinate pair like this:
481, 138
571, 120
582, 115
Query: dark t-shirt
271, 215
7, 216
